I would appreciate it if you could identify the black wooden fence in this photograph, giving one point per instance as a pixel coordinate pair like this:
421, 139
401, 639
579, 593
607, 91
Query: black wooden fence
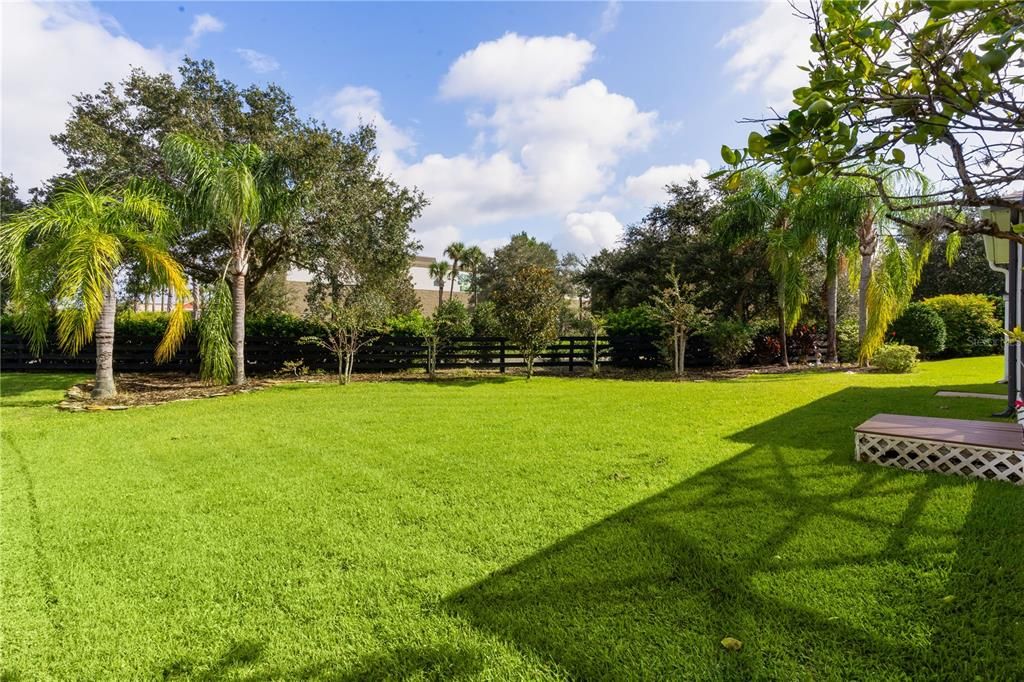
267, 354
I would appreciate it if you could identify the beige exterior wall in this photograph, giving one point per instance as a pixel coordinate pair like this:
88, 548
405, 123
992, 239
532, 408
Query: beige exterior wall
419, 272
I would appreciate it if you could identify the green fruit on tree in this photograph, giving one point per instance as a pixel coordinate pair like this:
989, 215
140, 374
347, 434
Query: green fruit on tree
802, 165
820, 107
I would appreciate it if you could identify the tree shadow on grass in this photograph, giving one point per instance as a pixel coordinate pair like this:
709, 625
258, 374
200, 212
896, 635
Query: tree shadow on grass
34, 389
822, 567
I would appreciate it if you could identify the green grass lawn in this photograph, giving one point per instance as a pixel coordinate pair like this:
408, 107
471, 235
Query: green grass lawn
562, 528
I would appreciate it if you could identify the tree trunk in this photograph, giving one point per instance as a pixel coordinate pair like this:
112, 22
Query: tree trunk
782, 336
195, 300
593, 357
238, 325
341, 368
104, 338
862, 294
682, 355
440, 294
868, 238
831, 285
529, 367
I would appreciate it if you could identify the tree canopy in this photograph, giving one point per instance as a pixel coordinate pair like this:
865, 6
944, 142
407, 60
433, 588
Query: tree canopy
934, 85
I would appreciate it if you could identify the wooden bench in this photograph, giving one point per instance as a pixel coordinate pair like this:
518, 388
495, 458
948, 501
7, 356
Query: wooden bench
989, 450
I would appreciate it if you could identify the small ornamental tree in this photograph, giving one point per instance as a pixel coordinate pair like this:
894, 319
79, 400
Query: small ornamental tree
593, 326
347, 323
675, 305
527, 304
450, 320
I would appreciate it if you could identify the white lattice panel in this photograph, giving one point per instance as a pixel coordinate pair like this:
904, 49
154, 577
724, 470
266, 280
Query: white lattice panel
991, 464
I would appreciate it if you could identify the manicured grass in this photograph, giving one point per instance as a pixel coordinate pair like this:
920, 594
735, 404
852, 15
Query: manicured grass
504, 530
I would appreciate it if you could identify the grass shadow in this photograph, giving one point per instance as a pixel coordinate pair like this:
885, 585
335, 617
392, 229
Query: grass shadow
823, 567
34, 389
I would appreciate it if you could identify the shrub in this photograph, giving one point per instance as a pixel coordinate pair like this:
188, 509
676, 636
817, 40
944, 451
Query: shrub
636, 321
140, 325
848, 340
971, 326
410, 324
452, 320
920, 326
766, 347
895, 357
485, 320
730, 341
279, 325
805, 342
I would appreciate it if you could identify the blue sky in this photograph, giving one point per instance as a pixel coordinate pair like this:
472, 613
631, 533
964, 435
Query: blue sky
563, 119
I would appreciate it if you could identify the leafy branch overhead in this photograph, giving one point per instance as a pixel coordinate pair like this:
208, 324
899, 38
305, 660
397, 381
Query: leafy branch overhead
934, 85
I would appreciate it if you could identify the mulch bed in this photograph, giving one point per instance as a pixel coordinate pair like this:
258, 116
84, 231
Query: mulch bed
140, 390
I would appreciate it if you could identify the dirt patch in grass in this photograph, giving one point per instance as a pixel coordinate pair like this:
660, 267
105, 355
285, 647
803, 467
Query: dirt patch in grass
140, 390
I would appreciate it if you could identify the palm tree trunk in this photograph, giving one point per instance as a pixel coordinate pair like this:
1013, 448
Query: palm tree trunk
831, 302
238, 325
440, 294
868, 238
451, 293
195, 300
782, 336
862, 293
104, 338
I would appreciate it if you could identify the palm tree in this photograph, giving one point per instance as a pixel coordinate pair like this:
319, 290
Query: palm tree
761, 208
439, 271
473, 257
233, 189
456, 251
830, 212
885, 285
66, 255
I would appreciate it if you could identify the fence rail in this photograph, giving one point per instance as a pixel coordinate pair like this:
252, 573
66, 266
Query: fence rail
265, 354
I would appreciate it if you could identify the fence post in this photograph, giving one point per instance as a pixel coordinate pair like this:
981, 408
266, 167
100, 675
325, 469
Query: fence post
501, 356
572, 354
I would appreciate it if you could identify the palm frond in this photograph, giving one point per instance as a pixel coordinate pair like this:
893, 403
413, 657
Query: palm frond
87, 266
892, 285
215, 358
177, 326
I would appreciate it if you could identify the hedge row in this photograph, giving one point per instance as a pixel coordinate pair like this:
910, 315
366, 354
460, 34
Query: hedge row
952, 325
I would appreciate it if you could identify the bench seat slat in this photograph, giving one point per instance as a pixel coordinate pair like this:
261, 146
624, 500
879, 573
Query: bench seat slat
958, 431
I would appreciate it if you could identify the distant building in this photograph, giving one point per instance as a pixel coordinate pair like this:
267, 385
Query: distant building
426, 287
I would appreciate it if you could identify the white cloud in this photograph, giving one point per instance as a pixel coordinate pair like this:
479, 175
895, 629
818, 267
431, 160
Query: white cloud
588, 233
51, 52
609, 17
649, 186
258, 61
201, 25
355, 105
767, 53
514, 66
538, 151
435, 240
